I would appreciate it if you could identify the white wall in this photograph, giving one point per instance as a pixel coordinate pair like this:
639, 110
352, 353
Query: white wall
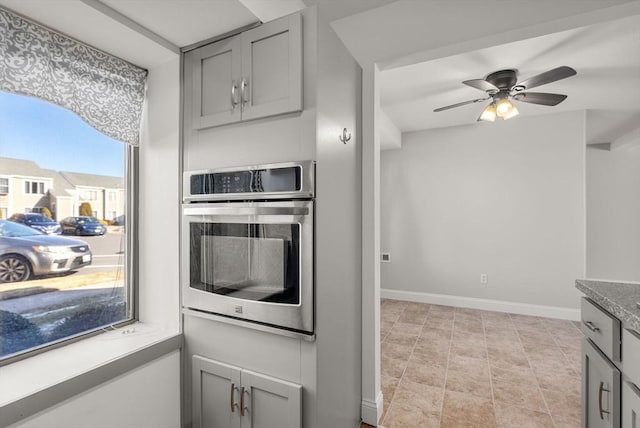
338, 235
506, 199
159, 201
148, 397
613, 213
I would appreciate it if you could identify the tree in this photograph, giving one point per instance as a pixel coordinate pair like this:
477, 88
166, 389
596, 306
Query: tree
85, 209
46, 212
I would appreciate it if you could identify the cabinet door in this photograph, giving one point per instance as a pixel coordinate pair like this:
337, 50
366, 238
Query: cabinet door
600, 389
215, 396
215, 89
269, 402
272, 68
630, 406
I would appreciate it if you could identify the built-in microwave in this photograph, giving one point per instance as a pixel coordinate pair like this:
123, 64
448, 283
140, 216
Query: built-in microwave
248, 244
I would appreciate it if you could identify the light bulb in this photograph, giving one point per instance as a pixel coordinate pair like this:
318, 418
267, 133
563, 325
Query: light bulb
503, 107
489, 114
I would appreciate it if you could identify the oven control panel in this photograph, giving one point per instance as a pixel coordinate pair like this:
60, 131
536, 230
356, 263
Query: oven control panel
289, 180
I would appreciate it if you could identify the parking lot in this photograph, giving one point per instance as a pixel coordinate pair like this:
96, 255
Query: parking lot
47, 301
108, 251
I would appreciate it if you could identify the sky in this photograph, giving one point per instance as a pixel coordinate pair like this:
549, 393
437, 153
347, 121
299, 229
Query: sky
55, 138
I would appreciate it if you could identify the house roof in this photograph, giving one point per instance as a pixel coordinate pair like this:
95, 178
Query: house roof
10, 166
90, 180
62, 180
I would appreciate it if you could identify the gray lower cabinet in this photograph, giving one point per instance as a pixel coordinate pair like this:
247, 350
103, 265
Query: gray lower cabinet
630, 406
601, 389
225, 396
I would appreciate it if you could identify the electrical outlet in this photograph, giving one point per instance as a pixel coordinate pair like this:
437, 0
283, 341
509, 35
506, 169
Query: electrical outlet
385, 257
484, 278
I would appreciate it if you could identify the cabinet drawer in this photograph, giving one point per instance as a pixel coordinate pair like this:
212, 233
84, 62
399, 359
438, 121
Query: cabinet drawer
630, 406
602, 328
631, 356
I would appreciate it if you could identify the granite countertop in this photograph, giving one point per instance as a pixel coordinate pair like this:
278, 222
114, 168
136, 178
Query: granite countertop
620, 298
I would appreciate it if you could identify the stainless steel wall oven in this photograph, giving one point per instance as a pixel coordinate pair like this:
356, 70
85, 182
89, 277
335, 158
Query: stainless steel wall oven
247, 244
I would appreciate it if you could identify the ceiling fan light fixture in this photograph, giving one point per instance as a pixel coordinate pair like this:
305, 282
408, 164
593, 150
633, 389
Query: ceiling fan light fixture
504, 107
514, 112
489, 113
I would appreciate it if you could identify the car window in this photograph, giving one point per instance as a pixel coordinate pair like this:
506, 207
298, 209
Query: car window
38, 218
15, 230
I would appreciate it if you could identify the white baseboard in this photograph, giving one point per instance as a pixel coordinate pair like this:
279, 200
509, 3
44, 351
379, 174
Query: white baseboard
484, 304
371, 411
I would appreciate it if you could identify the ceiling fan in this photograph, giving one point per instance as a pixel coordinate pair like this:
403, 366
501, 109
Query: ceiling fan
502, 86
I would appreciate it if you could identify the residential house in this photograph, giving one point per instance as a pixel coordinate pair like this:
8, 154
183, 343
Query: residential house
26, 187
104, 193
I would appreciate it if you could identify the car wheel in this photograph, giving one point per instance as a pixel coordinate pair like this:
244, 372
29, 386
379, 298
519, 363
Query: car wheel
14, 269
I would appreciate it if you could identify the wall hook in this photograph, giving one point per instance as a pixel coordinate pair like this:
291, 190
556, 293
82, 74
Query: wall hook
344, 137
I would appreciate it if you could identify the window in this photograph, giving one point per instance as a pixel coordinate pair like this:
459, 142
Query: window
112, 195
4, 186
81, 92
89, 195
93, 262
34, 187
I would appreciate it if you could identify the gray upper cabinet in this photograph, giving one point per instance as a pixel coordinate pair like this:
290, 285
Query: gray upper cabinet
215, 72
252, 75
272, 68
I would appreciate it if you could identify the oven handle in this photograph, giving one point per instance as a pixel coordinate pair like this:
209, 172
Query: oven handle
235, 211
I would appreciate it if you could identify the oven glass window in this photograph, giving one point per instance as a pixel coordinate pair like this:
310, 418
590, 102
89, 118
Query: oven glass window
249, 261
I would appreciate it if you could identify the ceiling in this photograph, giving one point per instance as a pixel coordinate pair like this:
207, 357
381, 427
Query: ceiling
425, 48
606, 57
106, 24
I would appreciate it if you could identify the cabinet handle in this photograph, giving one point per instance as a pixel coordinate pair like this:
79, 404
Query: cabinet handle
244, 91
591, 326
234, 97
231, 399
600, 391
242, 401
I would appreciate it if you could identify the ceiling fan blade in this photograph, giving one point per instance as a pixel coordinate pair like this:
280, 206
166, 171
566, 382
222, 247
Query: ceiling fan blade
461, 104
539, 98
548, 77
481, 84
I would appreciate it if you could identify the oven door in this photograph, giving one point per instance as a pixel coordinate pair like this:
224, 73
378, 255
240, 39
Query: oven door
250, 261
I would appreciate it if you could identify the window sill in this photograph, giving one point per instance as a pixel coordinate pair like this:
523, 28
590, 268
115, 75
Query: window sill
36, 383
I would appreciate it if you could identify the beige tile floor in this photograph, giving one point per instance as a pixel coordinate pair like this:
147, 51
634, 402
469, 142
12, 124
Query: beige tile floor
455, 367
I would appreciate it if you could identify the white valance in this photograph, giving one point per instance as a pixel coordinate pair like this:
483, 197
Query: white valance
105, 91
